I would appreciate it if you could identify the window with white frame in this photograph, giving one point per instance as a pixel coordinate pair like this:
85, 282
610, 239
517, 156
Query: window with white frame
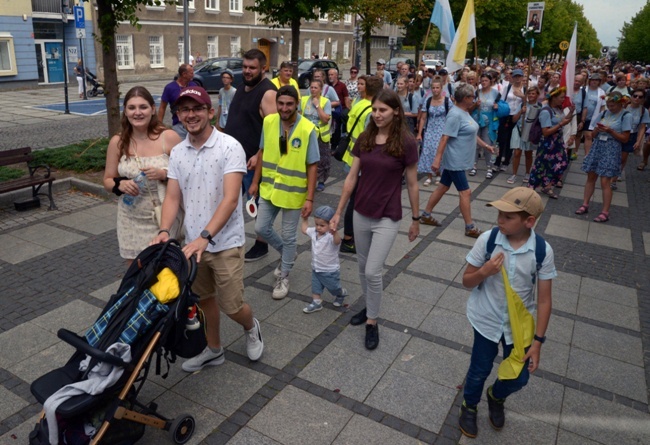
235, 5
181, 49
307, 51
180, 5
335, 49
156, 52
235, 46
213, 46
124, 48
346, 49
323, 17
321, 47
211, 5
7, 55
347, 18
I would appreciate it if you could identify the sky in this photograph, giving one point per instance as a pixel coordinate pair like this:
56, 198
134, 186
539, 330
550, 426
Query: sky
607, 17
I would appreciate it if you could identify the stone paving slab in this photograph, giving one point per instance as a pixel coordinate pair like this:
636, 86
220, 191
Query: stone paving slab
591, 386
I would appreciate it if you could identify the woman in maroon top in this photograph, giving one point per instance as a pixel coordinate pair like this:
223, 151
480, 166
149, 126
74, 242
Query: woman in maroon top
382, 154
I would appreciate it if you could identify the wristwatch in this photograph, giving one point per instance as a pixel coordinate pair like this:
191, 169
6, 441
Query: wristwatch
540, 339
206, 235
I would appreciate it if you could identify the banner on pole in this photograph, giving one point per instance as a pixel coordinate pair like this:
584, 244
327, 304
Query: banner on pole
535, 16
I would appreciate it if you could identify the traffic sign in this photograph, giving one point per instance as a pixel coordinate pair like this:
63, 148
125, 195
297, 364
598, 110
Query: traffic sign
564, 45
79, 19
80, 33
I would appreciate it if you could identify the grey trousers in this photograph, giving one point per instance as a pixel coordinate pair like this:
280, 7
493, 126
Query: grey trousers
373, 239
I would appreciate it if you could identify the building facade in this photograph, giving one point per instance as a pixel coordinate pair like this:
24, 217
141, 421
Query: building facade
39, 44
219, 28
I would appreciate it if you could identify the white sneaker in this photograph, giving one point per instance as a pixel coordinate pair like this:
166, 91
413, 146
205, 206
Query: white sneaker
281, 288
254, 342
206, 358
511, 179
277, 273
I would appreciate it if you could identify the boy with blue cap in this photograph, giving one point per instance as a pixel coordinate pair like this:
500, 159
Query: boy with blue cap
326, 268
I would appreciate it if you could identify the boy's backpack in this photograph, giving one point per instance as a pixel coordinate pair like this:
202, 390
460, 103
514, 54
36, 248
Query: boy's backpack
540, 249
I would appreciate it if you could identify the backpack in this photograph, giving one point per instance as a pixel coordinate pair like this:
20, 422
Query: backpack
503, 109
540, 249
426, 110
535, 134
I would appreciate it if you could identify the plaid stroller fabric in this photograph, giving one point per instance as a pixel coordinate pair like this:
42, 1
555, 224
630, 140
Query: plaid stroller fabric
147, 313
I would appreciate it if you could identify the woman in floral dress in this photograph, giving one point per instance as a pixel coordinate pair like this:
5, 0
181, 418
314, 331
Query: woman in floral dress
551, 160
432, 123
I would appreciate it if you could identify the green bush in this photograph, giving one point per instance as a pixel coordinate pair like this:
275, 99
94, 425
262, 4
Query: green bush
85, 156
9, 173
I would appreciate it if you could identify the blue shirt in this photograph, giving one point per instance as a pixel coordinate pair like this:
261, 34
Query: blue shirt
549, 117
487, 307
619, 122
461, 145
639, 116
170, 94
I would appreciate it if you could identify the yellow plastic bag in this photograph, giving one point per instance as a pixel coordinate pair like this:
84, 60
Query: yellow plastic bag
522, 325
167, 288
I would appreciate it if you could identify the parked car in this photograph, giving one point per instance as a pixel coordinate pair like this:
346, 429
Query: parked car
391, 66
275, 71
432, 63
307, 67
208, 73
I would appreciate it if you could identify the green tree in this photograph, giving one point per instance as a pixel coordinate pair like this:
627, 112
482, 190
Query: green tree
281, 13
109, 15
372, 14
634, 43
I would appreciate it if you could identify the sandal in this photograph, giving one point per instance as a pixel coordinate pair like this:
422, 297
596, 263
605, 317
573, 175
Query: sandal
582, 210
559, 184
549, 193
472, 172
427, 183
640, 167
603, 217
489, 174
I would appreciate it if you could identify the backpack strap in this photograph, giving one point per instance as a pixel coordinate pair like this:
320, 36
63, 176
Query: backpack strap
449, 89
491, 243
540, 251
446, 106
410, 99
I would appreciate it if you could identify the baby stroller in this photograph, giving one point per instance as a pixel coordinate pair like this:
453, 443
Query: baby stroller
97, 86
159, 329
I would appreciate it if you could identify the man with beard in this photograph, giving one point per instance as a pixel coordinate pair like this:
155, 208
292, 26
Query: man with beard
288, 168
249, 107
205, 173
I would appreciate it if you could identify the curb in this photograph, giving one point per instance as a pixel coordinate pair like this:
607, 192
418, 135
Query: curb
59, 185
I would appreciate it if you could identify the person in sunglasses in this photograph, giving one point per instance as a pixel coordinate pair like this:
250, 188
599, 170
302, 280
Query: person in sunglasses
288, 172
640, 121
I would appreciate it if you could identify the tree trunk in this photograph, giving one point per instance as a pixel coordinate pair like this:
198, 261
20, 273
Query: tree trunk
366, 38
295, 46
107, 26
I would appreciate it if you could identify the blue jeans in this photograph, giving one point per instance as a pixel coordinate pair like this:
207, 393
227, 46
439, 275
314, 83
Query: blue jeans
286, 245
326, 280
484, 352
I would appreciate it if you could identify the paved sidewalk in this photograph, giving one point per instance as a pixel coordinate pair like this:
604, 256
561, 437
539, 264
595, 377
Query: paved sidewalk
316, 384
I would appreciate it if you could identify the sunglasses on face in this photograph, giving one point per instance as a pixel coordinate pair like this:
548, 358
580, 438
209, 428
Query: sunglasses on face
354, 72
283, 145
637, 96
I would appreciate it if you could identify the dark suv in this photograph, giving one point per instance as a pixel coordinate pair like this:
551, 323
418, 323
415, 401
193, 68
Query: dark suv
307, 67
208, 73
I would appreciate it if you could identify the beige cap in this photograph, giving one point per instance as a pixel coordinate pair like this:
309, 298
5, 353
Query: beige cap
520, 199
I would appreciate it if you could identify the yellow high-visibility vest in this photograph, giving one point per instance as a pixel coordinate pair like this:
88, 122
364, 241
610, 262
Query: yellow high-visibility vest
276, 81
284, 177
323, 129
357, 109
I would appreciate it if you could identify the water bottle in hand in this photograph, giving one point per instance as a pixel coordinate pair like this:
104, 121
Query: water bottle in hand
139, 180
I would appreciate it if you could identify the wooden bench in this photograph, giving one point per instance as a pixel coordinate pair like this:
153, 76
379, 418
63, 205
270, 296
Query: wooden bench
36, 178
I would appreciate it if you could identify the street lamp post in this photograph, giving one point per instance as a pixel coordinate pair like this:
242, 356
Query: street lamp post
65, 5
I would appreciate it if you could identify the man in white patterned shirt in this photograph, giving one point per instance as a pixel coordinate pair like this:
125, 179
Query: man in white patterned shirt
205, 174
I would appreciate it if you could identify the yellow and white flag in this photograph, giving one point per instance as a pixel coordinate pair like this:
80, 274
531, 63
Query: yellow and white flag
464, 34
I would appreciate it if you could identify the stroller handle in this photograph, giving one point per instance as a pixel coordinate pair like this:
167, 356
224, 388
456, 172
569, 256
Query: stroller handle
80, 344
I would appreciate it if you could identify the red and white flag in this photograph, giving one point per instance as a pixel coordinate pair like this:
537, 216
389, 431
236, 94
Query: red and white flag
569, 68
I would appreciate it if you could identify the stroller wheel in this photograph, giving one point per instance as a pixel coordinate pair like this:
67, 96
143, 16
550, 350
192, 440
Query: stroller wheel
100, 90
91, 93
182, 428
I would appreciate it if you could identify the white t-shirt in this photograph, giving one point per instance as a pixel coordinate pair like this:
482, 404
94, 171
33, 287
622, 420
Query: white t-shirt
324, 253
200, 176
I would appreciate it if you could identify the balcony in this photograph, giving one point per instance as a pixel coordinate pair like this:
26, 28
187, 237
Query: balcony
50, 6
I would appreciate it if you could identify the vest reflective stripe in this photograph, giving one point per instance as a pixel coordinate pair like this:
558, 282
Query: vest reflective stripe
323, 129
284, 178
361, 126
